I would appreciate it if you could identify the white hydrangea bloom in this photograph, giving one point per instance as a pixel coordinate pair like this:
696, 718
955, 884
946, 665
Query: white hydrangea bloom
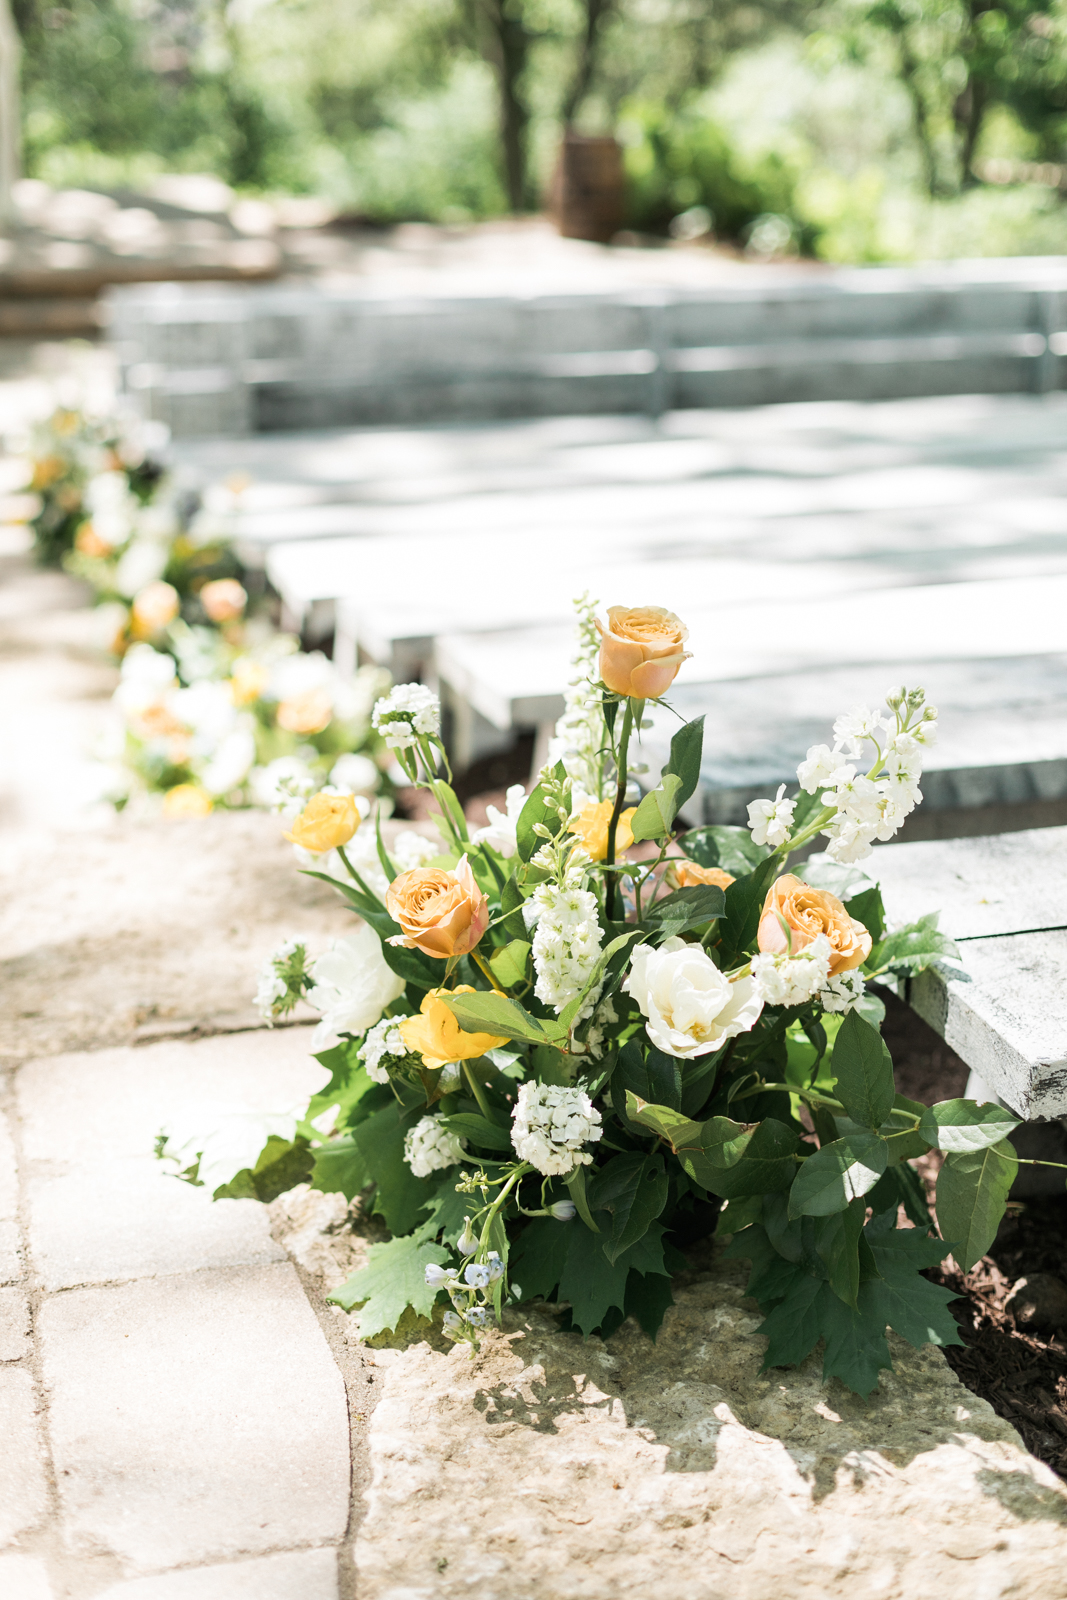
499, 833
409, 709
428, 1147
842, 992
771, 820
566, 944
549, 1126
383, 1041
790, 980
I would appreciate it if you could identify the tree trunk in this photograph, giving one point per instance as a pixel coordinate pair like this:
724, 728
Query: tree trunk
595, 13
511, 47
10, 141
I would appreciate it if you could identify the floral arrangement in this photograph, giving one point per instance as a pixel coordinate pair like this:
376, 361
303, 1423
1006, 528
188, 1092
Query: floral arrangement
71, 449
575, 1040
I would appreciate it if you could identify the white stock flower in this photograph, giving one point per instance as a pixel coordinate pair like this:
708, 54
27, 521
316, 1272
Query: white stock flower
854, 726
820, 767
408, 710
566, 944
271, 986
549, 1126
429, 1147
771, 820
858, 798
282, 785
690, 1007
499, 833
383, 1042
353, 985
842, 992
789, 980
407, 851
850, 840
579, 734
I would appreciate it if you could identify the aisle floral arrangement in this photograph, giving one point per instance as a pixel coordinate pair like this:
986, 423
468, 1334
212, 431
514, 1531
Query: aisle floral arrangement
576, 1039
67, 452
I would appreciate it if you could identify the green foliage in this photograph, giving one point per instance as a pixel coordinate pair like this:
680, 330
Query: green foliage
959, 1126
912, 949
281, 1165
655, 816
863, 1069
972, 1188
393, 1279
731, 849
836, 1174
487, 1012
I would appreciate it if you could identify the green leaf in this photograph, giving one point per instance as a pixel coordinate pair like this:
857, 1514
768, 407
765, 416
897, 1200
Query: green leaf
488, 1012
509, 964
835, 1175
656, 813
972, 1190
648, 1299
511, 904
913, 948
537, 811
481, 1132
794, 1326
863, 1068
593, 1284
855, 1344
687, 908
961, 1125
575, 1183
867, 908
281, 1165
374, 1153
446, 1212
767, 1165
744, 906
393, 1279
633, 1188
540, 1254
349, 1083
730, 848
837, 1241
912, 1306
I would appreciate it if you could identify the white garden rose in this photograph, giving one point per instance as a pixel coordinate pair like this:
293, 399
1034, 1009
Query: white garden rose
353, 986
690, 1007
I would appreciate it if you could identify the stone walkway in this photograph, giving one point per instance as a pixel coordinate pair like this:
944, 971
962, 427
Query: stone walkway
183, 1417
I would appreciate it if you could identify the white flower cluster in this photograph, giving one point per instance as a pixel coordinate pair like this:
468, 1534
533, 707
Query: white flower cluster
283, 785
579, 736
428, 1147
603, 1016
566, 943
384, 1042
280, 980
842, 992
407, 711
470, 1291
771, 820
549, 1126
199, 726
871, 807
790, 980
500, 831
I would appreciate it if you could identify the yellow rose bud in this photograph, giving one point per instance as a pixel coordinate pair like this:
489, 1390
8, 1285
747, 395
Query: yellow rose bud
224, 600
641, 650
187, 800
590, 825
328, 820
438, 1037
155, 606
807, 912
309, 712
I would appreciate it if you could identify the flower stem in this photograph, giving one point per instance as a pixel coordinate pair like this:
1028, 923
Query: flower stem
620, 801
477, 1091
485, 967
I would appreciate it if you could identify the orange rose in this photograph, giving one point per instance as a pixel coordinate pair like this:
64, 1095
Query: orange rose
90, 543
155, 606
187, 800
641, 651
686, 875
328, 820
591, 826
438, 1037
807, 912
309, 712
224, 600
443, 914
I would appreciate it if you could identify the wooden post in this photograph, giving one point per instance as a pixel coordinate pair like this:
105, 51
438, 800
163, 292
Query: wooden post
10, 166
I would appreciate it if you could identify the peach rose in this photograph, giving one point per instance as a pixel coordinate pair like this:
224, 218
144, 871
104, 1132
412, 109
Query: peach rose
187, 800
248, 681
328, 820
443, 914
224, 600
686, 875
590, 825
641, 651
155, 606
88, 542
438, 1037
807, 912
309, 712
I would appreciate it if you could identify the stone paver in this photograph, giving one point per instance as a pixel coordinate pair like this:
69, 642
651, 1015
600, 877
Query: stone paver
23, 1578
10, 1252
14, 1325
296, 1575
550, 1467
90, 1122
23, 1494
195, 1418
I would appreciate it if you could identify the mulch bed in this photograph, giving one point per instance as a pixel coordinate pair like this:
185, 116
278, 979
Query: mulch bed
1022, 1373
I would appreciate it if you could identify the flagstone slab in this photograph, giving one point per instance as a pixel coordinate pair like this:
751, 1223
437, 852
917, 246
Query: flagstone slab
147, 922
551, 1469
195, 1418
293, 1575
90, 1122
23, 1491
9, 1189
23, 1578
14, 1325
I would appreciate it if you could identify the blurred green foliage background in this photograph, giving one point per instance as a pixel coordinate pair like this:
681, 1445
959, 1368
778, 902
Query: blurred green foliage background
850, 130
